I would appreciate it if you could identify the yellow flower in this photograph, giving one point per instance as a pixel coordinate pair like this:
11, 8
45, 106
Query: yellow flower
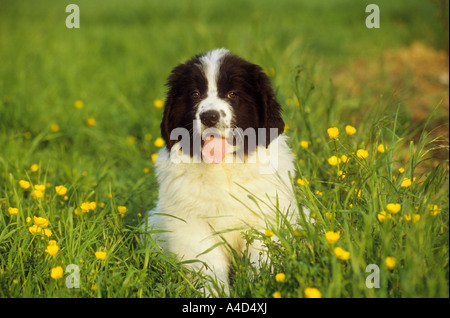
434, 209
61, 190
302, 181
401, 170
51, 242
350, 130
415, 218
122, 210
344, 159
333, 160
34, 167
87, 206
100, 255
57, 272
382, 216
94, 287
159, 142
54, 127
332, 237
380, 148
154, 157
406, 182
78, 104
34, 229
40, 222
39, 187
280, 277
158, 103
90, 121
390, 262
268, 233
341, 174
333, 132
24, 184
312, 292
37, 194
393, 207
52, 250
13, 211
362, 154
276, 294
304, 144
341, 254
28, 219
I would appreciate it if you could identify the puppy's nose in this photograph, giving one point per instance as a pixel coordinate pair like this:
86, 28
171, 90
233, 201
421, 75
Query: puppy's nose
210, 117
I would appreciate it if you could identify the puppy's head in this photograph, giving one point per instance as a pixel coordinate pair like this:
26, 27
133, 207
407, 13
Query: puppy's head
220, 91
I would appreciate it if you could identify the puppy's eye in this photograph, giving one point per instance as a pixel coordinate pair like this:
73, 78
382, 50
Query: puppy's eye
195, 94
232, 95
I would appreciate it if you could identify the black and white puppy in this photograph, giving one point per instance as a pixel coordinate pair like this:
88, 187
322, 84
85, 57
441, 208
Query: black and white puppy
209, 192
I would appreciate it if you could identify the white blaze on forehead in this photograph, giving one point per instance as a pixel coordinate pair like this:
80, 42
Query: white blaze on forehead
210, 65
211, 62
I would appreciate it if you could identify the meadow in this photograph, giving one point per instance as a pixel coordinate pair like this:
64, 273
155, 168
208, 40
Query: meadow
79, 131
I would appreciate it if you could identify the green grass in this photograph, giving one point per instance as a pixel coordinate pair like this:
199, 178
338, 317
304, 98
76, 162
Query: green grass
117, 63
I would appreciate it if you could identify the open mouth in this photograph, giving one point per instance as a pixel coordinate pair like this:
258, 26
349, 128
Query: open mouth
214, 148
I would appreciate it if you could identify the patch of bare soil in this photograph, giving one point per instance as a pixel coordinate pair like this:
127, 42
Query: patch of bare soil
419, 77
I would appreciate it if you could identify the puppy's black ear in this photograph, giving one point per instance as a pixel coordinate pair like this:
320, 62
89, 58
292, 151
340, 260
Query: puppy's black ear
174, 106
272, 109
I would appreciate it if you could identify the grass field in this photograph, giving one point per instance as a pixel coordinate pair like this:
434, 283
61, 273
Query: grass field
79, 108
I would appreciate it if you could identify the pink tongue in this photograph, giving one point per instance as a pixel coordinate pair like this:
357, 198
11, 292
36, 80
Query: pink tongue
214, 150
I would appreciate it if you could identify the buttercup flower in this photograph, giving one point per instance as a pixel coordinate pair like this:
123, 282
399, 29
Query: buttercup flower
100, 255
276, 294
302, 182
61, 190
90, 121
40, 222
154, 157
332, 237
280, 277
434, 209
344, 159
341, 254
268, 233
415, 218
362, 154
382, 216
122, 210
312, 292
78, 104
34, 229
34, 167
24, 184
401, 170
52, 249
350, 130
57, 272
393, 207
333, 132
333, 160
13, 211
380, 148
159, 142
406, 182
304, 144
390, 262
158, 103
54, 127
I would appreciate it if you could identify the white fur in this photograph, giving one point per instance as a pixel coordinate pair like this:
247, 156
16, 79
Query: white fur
210, 199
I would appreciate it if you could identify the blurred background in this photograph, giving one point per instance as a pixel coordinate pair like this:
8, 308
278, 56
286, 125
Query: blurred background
117, 62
